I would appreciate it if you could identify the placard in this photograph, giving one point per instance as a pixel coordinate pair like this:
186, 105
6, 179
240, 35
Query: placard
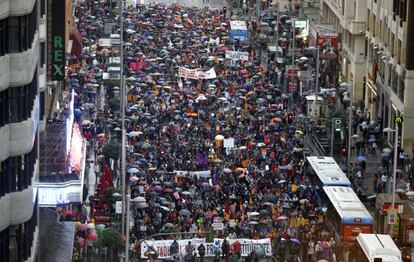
235, 55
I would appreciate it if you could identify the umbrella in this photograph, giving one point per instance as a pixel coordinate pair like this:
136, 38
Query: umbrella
252, 214
133, 179
219, 137
281, 218
361, 158
185, 212
372, 140
133, 170
142, 205
295, 240
387, 150
139, 199
134, 133
83, 227
68, 212
166, 209
227, 170
186, 193
253, 222
169, 225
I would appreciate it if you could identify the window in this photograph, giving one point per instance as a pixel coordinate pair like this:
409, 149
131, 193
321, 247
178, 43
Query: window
17, 32
4, 108
42, 54
42, 8
16, 172
3, 37
13, 35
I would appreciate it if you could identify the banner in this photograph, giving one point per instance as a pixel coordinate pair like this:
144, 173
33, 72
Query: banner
247, 246
235, 55
196, 73
203, 174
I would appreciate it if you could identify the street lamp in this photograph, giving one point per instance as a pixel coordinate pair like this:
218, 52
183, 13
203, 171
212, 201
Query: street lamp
128, 211
394, 168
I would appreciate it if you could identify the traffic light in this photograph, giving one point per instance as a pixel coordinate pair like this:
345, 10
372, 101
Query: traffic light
343, 151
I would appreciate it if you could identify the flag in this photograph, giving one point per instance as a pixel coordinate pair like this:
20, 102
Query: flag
227, 211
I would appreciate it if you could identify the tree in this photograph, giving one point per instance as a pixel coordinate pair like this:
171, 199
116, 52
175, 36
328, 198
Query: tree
114, 103
108, 197
111, 239
111, 149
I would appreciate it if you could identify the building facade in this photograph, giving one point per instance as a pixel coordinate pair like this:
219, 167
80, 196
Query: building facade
22, 85
349, 20
390, 65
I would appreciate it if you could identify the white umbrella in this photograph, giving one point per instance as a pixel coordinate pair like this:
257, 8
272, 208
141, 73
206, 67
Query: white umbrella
201, 98
130, 31
387, 150
86, 122
133, 170
303, 58
133, 179
139, 199
219, 137
142, 205
253, 214
134, 133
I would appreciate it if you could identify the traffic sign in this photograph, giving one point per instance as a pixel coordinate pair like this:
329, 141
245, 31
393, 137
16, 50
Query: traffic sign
392, 216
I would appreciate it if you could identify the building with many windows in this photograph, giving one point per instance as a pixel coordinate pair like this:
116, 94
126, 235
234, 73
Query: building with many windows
390, 64
22, 85
377, 57
349, 20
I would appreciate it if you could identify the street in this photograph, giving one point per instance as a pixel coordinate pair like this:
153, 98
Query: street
214, 127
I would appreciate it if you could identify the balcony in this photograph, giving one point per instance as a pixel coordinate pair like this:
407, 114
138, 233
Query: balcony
16, 8
17, 68
17, 138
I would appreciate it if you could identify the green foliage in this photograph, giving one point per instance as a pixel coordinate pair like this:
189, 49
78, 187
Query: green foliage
342, 114
111, 149
108, 198
114, 103
110, 238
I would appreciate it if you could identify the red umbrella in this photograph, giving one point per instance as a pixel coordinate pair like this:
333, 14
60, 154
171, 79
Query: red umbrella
68, 212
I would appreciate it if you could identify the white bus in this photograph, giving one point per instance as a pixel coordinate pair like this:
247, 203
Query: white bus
375, 247
324, 171
346, 215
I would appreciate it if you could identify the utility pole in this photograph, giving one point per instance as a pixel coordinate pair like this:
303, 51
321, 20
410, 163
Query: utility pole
315, 102
350, 110
123, 133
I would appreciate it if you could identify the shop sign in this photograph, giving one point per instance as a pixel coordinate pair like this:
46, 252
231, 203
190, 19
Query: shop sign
56, 39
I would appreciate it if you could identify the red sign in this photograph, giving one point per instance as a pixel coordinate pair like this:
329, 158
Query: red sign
102, 218
350, 232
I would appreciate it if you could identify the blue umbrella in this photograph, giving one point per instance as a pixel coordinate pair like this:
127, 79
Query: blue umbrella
361, 158
372, 140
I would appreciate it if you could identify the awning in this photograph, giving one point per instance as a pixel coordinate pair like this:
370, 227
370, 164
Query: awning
76, 38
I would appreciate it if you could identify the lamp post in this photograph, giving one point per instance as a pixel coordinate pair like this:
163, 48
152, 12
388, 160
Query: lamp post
350, 111
394, 168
